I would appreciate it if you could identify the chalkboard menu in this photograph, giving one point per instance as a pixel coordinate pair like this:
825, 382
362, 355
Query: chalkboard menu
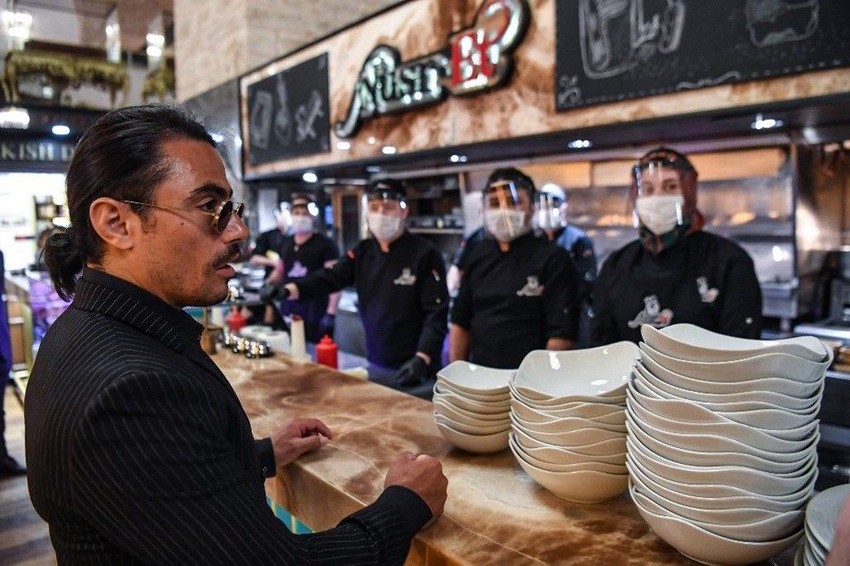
288, 113
609, 50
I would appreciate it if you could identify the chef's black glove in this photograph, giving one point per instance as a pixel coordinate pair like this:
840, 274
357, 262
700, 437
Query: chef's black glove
413, 372
271, 292
327, 325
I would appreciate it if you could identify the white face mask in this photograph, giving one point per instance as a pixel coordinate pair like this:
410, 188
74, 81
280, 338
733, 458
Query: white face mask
302, 224
384, 226
506, 224
660, 213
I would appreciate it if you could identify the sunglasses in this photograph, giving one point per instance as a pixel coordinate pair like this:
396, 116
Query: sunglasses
221, 217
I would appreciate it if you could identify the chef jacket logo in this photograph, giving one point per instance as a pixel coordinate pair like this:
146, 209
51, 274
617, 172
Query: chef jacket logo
532, 288
477, 58
406, 278
705, 293
652, 314
298, 270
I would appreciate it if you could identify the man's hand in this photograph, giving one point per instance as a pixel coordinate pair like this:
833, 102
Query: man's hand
298, 436
327, 325
423, 475
271, 292
413, 372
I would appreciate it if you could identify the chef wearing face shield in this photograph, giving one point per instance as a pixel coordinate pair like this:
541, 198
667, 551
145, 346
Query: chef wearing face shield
674, 272
400, 280
518, 292
550, 218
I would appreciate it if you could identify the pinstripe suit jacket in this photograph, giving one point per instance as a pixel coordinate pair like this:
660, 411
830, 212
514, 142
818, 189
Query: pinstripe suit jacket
139, 450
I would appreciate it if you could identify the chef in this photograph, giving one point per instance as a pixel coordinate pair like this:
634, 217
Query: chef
674, 272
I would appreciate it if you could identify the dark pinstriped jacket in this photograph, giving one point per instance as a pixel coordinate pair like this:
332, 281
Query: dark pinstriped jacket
139, 451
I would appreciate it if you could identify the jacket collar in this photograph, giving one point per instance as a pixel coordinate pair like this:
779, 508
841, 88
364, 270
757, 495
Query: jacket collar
100, 292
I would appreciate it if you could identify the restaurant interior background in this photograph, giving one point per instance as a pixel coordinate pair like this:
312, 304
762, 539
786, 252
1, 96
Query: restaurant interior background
286, 88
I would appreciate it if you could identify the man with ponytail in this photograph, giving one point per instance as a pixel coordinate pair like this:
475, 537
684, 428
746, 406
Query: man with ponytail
137, 447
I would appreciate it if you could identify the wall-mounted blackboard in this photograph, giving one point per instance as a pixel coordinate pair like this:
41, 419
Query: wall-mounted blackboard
609, 50
288, 113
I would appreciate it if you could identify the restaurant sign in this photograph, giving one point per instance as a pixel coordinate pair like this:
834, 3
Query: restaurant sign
477, 59
35, 155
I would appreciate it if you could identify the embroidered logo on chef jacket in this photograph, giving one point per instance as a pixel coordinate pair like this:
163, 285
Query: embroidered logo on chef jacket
298, 270
406, 278
532, 288
706, 293
652, 314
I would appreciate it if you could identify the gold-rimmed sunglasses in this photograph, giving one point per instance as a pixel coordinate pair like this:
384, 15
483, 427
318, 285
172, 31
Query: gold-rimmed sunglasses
221, 217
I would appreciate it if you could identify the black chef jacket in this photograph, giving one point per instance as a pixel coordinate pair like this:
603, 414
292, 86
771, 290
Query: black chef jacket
401, 294
513, 302
300, 260
270, 240
703, 279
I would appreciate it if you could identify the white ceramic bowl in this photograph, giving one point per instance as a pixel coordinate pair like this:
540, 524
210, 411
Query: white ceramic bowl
569, 438
769, 529
797, 376
681, 386
691, 342
487, 407
718, 492
470, 428
704, 546
600, 412
610, 447
473, 378
703, 436
458, 413
537, 400
566, 424
681, 494
770, 420
558, 455
578, 487
592, 465
593, 372
476, 396
822, 514
690, 412
478, 443
699, 458
754, 481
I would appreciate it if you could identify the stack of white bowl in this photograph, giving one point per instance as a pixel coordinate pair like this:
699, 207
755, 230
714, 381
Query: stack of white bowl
471, 405
821, 519
568, 418
722, 438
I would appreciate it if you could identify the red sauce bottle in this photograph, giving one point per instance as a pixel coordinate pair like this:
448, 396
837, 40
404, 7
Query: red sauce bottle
326, 352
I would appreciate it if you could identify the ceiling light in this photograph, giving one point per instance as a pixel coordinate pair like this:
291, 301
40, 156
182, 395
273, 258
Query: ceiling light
389, 150
454, 158
310, 177
373, 169
60, 130
579, 144
343, 145
762, 123
13, 117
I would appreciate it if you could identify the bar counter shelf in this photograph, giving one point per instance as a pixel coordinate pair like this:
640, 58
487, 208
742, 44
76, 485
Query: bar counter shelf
495, 513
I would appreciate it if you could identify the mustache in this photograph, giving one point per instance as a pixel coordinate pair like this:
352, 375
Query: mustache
231, 255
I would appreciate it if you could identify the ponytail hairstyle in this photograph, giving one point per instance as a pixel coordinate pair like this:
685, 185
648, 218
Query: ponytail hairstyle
120, 156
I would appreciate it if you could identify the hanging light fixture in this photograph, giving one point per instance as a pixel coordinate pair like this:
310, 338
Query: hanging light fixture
14, 117
17, 25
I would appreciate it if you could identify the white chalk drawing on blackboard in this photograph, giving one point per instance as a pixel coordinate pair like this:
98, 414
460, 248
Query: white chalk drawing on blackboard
261, 119
616, 35
729, 76
283, 117
779, 21
570, 93
306, 115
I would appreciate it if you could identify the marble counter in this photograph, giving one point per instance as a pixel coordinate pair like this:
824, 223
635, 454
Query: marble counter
495, 513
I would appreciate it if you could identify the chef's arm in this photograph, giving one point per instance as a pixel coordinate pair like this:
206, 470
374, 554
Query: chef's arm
559, 344
458, 343
325, 281
434, 302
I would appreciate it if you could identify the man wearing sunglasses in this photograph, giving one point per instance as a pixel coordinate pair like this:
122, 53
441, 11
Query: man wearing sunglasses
138, 449
674, 272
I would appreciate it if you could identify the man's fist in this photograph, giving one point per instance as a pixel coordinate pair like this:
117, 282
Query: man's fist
271, 292
413, 372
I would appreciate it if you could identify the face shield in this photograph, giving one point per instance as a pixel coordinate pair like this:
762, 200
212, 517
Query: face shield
659, 202
549, 212
386, 209
507, 210
303, 213
283, 217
